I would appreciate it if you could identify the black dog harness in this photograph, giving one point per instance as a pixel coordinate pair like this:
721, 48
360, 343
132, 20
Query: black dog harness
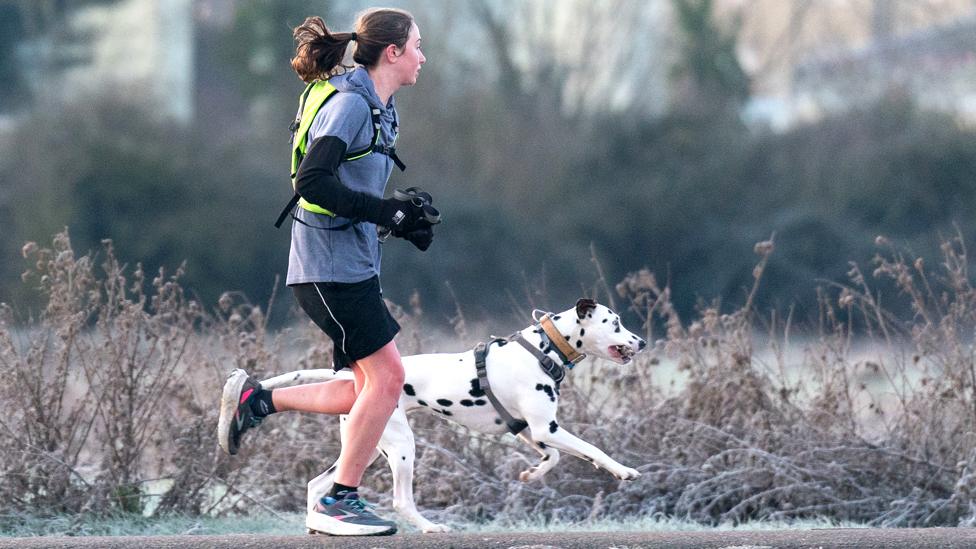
553, 369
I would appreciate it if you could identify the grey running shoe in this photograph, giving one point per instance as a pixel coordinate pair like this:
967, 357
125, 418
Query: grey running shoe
235, 410
349, 516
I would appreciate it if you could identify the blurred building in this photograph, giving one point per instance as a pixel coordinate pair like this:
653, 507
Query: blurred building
138, 49
808, 58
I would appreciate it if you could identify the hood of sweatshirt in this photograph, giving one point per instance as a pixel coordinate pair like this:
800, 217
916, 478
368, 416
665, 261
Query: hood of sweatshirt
358, 81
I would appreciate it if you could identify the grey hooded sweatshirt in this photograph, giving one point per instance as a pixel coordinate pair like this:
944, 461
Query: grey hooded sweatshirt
353, 254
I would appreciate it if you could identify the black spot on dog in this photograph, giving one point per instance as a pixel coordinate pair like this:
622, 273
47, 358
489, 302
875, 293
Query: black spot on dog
589, 315
466, 402
502, 343
555, 317
422, 403
444, 402
567, 338
407, 388
498, 421
547, 390
542, 345
476, 389
480, 402
579, 343
537, 331
553, 426
582, 332
605, 320
577, 321
404, 458
445, 412
543, 446
460, 360
546, 458
617, 331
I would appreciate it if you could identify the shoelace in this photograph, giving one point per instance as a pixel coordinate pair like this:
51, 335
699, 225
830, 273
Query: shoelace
361, 505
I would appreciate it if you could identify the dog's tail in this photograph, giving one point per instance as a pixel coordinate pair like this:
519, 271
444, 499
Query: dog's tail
300, 376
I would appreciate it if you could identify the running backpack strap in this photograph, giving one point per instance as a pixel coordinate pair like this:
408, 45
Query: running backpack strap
288, 209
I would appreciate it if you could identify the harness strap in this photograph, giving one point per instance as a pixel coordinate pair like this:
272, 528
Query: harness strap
515, 426
548, 365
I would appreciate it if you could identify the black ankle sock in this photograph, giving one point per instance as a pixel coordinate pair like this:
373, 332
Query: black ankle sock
339, 491
261, 404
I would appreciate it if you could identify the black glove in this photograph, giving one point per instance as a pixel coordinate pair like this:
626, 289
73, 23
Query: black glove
401, 216
421, 238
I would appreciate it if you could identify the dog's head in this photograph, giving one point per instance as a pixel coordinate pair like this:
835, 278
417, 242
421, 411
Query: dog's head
601, 333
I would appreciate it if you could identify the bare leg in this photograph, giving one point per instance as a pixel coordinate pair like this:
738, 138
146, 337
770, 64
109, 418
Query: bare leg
331, 397
379, 380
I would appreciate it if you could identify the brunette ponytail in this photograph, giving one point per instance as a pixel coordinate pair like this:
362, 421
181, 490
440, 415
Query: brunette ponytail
318, 52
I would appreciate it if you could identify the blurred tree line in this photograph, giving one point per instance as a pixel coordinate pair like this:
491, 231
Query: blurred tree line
526, 183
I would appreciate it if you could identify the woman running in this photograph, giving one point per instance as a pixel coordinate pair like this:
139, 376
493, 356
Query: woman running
342, 159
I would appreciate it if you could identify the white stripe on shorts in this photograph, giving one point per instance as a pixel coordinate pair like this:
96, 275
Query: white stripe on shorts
343, 344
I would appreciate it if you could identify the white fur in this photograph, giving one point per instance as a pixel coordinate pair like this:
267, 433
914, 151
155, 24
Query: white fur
514, 375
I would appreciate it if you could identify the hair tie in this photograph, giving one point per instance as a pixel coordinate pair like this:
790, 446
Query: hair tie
352, 37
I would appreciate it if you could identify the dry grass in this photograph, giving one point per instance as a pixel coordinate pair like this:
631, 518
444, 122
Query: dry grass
111, 390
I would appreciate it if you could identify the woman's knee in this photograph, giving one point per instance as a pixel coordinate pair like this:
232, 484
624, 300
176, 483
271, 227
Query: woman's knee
392, 383
383, 371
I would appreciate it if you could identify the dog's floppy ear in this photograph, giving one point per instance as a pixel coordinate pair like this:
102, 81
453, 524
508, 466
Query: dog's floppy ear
584, 306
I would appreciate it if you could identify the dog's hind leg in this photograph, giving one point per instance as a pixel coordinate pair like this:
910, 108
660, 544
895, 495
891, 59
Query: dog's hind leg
397, 445
550, 457
320, 486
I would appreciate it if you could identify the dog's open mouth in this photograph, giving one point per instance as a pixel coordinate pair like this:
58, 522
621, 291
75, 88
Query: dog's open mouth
623, 353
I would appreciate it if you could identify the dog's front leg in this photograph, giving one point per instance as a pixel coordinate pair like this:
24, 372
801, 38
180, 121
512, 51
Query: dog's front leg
551, 434
550, 457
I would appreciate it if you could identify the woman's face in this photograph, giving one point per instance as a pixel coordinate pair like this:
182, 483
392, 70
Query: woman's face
410, 58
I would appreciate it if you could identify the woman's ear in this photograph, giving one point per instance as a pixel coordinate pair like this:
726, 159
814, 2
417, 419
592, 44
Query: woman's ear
391, 53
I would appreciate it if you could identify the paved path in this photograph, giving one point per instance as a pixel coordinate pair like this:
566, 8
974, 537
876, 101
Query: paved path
853, 537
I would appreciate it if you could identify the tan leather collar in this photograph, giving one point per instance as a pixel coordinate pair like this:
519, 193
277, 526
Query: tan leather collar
559, 340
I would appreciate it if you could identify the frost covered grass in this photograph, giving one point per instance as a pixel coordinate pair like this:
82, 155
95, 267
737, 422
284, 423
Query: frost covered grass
868, 418
294, 524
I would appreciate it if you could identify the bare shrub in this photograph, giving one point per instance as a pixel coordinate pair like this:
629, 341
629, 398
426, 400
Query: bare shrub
111, 405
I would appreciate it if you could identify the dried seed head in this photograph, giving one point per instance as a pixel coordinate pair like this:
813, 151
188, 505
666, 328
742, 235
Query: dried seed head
846, 298
763, 248
28, 249
881, 240
920, 265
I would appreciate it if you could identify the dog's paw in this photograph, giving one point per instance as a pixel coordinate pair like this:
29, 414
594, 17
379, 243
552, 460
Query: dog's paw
434, 528
530, 474
626, 473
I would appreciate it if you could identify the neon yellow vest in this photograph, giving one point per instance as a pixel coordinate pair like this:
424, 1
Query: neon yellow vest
314, 96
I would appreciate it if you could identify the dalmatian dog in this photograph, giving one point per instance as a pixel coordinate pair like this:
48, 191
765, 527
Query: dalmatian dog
447, 385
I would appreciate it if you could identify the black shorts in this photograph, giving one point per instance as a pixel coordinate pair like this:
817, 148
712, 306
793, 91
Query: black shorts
352, 314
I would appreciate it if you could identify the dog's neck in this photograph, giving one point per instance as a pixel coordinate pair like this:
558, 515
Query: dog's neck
568, 325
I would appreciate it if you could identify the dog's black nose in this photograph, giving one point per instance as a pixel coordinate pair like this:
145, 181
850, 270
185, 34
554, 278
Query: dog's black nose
642, 344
